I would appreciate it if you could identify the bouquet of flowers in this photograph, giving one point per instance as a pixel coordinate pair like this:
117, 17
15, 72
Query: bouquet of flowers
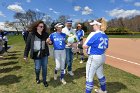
71, 38
72, 42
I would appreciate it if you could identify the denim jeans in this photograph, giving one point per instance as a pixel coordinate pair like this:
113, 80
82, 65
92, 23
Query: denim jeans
69, 59
41, 63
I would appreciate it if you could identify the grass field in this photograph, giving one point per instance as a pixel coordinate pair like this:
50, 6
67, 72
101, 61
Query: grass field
17, 76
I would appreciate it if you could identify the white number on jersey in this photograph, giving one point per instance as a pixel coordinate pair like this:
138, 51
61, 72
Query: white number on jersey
60, 43
103, 44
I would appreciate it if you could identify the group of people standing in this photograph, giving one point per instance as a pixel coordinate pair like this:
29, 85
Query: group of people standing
95, 44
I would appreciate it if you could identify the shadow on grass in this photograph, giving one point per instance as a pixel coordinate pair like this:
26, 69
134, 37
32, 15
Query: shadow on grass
10, 58
14, 51
54, 83
80, 72
8, 63
112, 87
6, 70
115, 87
9, 79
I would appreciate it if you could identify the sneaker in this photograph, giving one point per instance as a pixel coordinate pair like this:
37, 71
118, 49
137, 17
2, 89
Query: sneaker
81, 61
55, 76
45, 84
71, 73
63, 81
100, 91
64, 71
37, 81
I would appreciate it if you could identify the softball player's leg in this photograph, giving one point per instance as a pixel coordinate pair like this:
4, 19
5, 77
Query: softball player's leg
62, 65
92, 65
101, 76
57, 62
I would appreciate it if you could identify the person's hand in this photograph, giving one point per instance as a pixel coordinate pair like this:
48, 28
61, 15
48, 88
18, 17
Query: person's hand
69, 44
25, 58
49, 41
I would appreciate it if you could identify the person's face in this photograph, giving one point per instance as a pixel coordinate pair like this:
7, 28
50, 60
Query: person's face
95, 27
59, 29
69, 25
79, 26
40, 27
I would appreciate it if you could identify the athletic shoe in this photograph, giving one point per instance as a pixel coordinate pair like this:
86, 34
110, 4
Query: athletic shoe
45, 84
64, 71
81, 61
71, 73
100, 91
55, 76
37, 81
63, 81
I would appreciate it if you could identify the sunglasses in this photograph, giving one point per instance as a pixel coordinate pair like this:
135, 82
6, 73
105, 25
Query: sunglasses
41, 26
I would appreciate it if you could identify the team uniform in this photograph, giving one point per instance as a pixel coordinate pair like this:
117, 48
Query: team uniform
58, 40
80, 34
98, 43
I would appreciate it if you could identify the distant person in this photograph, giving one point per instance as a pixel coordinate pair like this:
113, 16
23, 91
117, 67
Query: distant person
39, 51
25, 35
58, 39
96, 45
69, 54
80, 35
5, 39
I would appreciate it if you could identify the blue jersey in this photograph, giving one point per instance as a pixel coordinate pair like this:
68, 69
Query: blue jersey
79, 34
97, 42
58, 40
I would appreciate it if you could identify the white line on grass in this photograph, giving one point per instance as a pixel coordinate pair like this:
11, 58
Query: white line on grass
124, 60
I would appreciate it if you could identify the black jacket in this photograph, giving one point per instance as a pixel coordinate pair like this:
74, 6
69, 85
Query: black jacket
30, 45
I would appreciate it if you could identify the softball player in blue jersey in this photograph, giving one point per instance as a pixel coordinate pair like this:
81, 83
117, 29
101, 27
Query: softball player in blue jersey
96, 45
58, 40
80, 35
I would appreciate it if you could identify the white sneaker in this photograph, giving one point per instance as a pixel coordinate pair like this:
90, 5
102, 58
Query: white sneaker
63, 81
81, 61
64, 71
71, 73
100, 91
55, 76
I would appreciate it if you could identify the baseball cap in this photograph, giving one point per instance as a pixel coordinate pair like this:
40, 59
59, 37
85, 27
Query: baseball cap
95, 23
69, 21
58, 25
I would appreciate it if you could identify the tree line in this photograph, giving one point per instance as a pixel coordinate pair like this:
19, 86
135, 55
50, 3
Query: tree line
114, 26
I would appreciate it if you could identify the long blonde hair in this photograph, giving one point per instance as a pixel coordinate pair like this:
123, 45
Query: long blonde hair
104, 23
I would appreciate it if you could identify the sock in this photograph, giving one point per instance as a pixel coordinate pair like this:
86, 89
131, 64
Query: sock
55, 71
82, 57
89, 86
62, 74
103, 83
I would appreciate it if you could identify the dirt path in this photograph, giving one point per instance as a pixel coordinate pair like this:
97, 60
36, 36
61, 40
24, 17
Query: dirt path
124, 53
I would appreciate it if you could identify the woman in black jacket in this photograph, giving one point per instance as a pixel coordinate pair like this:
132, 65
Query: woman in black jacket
39, 51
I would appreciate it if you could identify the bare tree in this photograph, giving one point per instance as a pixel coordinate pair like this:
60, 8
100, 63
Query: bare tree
28, 17
63, 18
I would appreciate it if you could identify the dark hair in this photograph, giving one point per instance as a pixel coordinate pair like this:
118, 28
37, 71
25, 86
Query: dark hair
77, 26
33, 26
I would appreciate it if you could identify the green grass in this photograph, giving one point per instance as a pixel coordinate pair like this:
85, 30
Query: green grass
17, 76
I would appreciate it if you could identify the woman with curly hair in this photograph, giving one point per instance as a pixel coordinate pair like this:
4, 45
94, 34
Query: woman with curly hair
39, 51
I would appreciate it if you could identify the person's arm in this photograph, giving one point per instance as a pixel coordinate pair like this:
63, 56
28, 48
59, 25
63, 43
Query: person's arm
89, 41
49, 40
28, 46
